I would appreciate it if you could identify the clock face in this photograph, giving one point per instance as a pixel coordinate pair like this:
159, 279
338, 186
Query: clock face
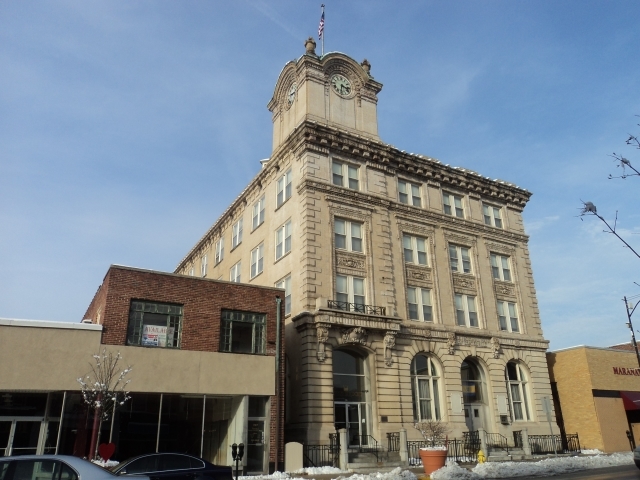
341, 85
291, 96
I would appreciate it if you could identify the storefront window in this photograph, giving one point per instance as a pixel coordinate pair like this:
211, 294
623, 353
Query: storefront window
154, 324
181, 424
256, 433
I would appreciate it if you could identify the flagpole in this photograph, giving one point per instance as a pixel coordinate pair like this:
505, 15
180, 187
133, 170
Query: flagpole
323, 31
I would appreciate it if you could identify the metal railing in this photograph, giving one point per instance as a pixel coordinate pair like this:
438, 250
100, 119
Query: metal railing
497, 440
320, 456
368, 444
459, 450
356, 307
393, 442
545, 444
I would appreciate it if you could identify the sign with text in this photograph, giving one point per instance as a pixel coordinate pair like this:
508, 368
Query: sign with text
157, 336
626, 371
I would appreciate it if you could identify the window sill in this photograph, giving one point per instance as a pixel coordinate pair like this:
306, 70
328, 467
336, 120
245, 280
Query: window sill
254, 229
282, 204
256, 276
233, 248
283, 256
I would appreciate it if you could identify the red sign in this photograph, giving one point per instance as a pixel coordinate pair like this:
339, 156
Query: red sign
626, 371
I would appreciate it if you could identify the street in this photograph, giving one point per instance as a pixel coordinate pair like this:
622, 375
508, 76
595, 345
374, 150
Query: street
624, 472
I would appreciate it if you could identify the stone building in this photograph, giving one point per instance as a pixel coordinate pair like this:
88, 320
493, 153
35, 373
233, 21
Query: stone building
409, 289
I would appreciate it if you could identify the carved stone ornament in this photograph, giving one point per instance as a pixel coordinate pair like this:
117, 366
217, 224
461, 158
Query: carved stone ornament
451, 342
495, 346
355, 335
350, 263
389, 343
310, 46
322, 332
504, 289
419, 275
463, 282
367, 66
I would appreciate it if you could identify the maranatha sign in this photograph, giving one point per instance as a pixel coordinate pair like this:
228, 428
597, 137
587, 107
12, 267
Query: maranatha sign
626, 371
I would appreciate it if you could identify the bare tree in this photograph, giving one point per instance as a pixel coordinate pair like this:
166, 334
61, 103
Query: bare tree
103, 390
590, 209
433, 431
624, 162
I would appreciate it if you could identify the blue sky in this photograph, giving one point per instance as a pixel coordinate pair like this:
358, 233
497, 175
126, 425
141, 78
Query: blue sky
127, 127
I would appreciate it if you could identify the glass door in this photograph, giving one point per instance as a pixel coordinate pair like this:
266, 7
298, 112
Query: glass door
5, 432
24, 437
353, 418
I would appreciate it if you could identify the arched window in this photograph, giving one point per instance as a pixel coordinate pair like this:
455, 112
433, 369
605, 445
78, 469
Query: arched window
425, 388
471, 382
517, 388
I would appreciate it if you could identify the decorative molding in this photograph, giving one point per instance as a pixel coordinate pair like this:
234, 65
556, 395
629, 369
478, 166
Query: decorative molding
504, 289
451, 342
472, 341
459, 239
501, 248
464, 283
419, 276
389, 343
495, 345
350, 261
322, 332
355, 335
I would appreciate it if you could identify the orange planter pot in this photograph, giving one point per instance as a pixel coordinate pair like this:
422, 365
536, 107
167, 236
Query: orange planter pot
432, 460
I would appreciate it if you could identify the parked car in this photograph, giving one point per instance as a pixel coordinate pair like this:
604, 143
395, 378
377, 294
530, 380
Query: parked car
52, 467
172, 466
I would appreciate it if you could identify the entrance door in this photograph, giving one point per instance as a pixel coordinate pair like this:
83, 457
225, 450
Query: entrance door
22, 439
473, 416
353, 417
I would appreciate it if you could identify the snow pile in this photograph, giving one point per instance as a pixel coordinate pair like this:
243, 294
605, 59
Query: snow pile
593, 451
319, 470
395, 474
273, 476
546, 467
105, 464
431, 449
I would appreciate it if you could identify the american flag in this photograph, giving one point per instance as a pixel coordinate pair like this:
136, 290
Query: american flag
321, 26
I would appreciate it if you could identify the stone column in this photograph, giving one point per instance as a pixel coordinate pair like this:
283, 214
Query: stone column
344, 449
483, 442
526, 448
404, 453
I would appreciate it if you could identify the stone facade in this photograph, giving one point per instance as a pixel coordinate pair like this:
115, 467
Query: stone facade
353, 201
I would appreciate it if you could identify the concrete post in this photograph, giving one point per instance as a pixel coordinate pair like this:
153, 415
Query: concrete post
404, 453
344, 449
526, 448
483, 442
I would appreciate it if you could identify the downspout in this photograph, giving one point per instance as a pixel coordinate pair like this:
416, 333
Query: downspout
278, 320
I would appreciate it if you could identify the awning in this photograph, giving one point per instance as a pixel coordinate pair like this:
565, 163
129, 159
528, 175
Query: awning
631, 400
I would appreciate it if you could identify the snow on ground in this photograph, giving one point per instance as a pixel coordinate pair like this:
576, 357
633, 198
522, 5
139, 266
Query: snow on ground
395, 474
593, 451
320, 470
542, 468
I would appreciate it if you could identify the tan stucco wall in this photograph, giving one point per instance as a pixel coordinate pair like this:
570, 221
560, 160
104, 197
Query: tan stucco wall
613, 424
601, 363
43, 358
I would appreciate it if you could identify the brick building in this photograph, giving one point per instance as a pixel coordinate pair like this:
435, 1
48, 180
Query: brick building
204, 357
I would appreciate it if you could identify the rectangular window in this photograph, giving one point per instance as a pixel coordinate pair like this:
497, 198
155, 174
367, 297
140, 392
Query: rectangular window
452, 204
415, 249
154, 324
257, 259
466, 314
419, 300
283, 188
243, 332
500, 267
191, 272
286, 284
348, 235
219, 250
508, 317
236, 237
459, 259
492, 216
258, 214
234, 274
203, 266
345, 175
409, 193
350, 290
283, 240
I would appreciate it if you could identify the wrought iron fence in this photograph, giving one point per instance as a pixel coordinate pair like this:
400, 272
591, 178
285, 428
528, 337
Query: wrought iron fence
544, 444
368, 444
320, 455
393, 442
497, 440
458, 450
357, 307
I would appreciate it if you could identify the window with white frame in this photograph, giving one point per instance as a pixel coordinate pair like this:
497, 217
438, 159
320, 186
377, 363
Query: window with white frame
350, 290
345, 175
466, 313
191, 272
452, 204
348, 235
258, 213
508, 316
415, 249
425, 388
419, 300
283, 240
459, 259
286, 284
283, 188
236, 235
518, 395
203, 266
492, 215
219, 250
234, 273
500, 267
257, 260
409, 193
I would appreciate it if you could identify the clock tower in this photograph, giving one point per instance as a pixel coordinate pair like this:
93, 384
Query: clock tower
332, 90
